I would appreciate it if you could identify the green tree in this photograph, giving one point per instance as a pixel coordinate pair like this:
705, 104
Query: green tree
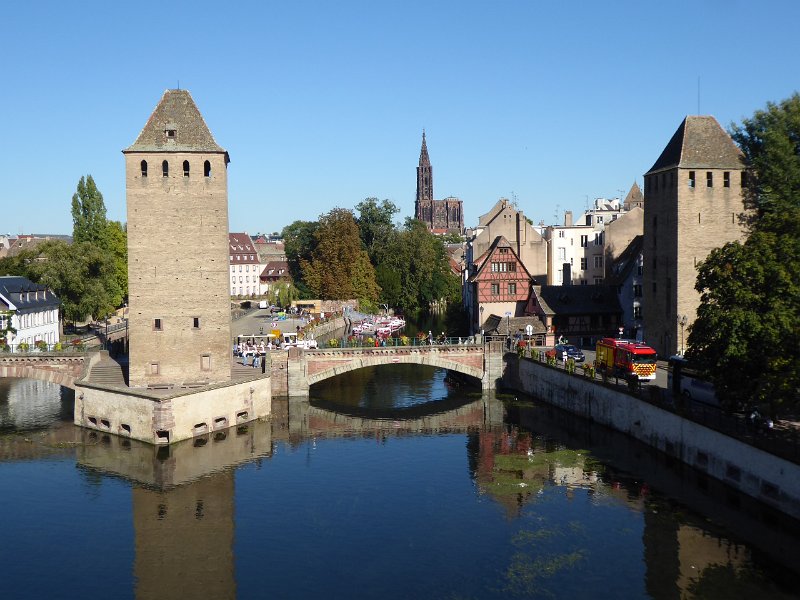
117, 237
747, 333
375, 226
82, 275
89, 223
299, 243
338, 268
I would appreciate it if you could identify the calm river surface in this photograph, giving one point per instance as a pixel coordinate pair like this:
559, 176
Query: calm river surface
389, 483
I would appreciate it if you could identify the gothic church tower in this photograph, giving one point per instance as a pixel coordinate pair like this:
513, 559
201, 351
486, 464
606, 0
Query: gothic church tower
177, 199
423, 206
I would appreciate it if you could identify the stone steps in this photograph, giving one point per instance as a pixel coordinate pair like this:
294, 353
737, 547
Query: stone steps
110, 373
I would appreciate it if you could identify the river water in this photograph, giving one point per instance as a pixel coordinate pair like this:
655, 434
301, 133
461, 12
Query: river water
392, 482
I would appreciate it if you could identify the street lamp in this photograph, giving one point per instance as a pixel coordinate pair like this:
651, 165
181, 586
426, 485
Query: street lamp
480, 325
682, 322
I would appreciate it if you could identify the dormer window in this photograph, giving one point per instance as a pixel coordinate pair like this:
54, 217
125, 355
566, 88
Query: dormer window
171, 134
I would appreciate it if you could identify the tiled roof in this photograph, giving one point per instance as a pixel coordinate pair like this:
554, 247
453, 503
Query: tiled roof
23, 293
176, 112
241, 249
701, 143
484, 259
578, 299
276, 269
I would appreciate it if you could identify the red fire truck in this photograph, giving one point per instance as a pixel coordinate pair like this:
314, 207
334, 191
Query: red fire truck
629, 359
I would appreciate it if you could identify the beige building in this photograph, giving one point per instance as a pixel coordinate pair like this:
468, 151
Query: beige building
693, 200
178, 271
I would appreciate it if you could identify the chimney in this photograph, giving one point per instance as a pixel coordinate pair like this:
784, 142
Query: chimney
567, 218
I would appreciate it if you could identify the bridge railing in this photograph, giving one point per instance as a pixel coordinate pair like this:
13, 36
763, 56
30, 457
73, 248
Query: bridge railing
43, 347
366, 341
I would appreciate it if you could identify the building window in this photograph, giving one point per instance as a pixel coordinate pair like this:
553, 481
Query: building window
512, 289
583, 263
165, 169
598, 262
144, 168
598, 238
726, 179
584, 282
709, 179
207, 169
512, 267
172, 134
561, 233
494, 267
637, 312
691, 179
186, 168
205, 362
598, 280
599, 218
637, 290
584, 241
157, 325
495, 289
196, 322
562, 254
154, 369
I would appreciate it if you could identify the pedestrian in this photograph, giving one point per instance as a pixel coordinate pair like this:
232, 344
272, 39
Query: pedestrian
430, 338
256, 360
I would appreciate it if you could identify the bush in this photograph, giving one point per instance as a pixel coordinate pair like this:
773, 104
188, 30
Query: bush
404, 340
58, 347
41, 345
23, 347
4, 347
333, 343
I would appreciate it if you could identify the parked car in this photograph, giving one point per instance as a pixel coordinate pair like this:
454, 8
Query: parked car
565, 351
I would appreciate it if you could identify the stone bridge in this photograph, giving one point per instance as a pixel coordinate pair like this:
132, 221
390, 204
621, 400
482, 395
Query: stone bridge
295, 371
59, 368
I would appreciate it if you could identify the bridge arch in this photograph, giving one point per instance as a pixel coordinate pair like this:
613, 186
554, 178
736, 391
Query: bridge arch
324, 364
59, 369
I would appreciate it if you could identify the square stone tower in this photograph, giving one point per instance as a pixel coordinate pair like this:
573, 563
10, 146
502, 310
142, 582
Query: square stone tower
177, 197
692, 203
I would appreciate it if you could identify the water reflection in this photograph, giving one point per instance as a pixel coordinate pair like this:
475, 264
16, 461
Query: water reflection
463, 496
28, 404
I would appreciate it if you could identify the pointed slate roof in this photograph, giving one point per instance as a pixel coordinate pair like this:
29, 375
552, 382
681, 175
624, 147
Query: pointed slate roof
700, 143
176, 112
424, 161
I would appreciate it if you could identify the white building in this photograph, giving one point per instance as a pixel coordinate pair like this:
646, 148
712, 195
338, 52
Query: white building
245, 266
28, 313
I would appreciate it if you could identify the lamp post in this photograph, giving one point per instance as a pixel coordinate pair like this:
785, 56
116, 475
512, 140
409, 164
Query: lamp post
480, 325
682, 322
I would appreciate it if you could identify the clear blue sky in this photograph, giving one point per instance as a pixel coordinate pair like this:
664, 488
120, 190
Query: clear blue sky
322, 104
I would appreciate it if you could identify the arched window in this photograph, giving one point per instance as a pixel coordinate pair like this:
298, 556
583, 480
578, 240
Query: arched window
144, 168
165, 169
207, 169
186, 168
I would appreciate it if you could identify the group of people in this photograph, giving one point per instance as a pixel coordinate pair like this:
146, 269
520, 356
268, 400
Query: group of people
252, 354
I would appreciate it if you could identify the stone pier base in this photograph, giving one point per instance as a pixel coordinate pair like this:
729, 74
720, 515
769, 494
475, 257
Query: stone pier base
171, 415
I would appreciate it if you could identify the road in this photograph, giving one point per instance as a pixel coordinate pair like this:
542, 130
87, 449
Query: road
261, 319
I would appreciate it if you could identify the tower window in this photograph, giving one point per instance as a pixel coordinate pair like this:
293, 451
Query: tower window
709, 179
196, 322
691, 179
207, 169
144, 168
157, 325
165, 169
726, 179
186, 168
171, 134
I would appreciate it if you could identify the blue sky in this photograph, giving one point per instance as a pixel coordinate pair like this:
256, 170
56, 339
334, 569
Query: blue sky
322, 104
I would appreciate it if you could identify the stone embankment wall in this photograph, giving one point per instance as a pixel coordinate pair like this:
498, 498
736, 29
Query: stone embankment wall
772, 480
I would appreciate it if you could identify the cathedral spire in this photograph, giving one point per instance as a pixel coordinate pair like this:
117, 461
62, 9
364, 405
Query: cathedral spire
424, 161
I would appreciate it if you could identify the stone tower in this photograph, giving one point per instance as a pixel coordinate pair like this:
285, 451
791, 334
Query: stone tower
692, 203
423, 206
177, 197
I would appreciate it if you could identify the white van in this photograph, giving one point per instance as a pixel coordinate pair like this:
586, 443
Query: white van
263, 304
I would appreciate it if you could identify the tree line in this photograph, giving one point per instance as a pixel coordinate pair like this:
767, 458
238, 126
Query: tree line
364, 255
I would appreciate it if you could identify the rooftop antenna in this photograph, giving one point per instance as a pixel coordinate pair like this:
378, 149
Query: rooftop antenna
555, 214
179, 84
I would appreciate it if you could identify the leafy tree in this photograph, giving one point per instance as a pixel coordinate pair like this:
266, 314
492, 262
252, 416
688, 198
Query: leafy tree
117, 237
299, 243
747, 333
375, 226
338, 268
89, 223
82, 275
